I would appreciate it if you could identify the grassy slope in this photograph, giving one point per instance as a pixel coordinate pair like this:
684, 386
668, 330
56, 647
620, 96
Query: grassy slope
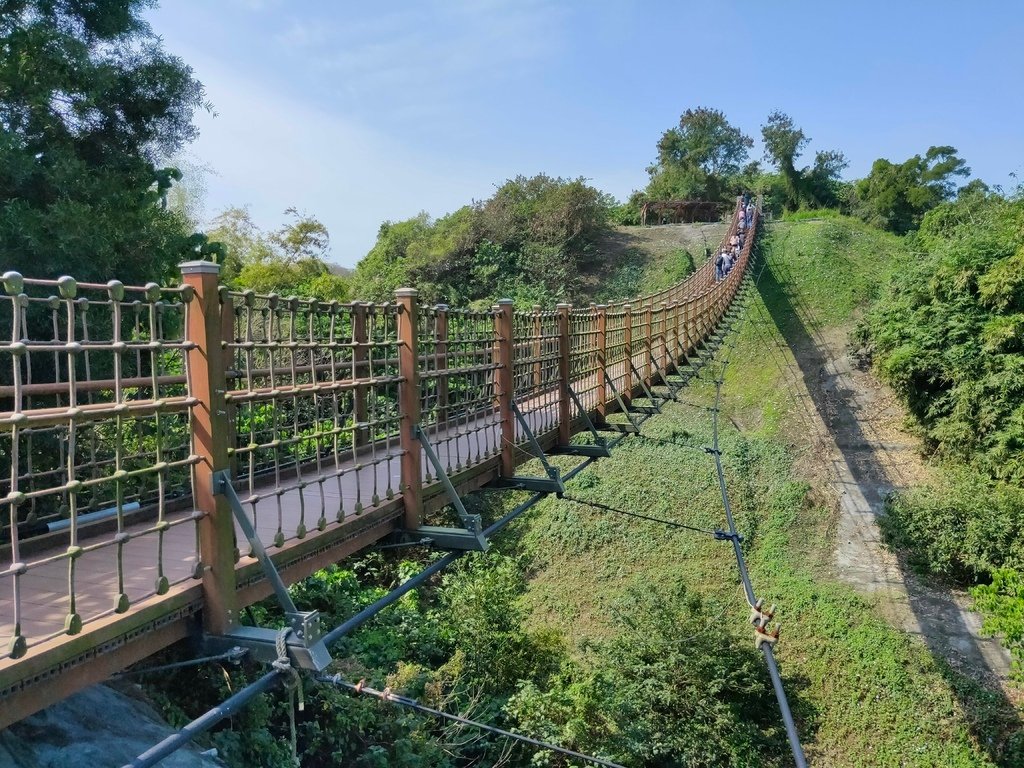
865, 694
638, 260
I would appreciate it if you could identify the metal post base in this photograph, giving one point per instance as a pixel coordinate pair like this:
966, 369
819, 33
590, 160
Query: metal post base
306, 651
453, 538
589, 451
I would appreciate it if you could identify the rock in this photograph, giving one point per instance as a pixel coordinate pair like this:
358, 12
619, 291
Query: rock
96, 728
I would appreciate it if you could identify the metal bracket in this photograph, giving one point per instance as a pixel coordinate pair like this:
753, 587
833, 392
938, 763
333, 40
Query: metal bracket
305, 646
643, 385
663, 375
469, 538
550, 484
622, 404
600, 448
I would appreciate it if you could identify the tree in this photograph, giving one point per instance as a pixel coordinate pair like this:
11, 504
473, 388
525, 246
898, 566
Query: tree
896, 197
243, 241
783, 143
90, 104
815, 186
822, 187
305, 238
292, 260
698, 157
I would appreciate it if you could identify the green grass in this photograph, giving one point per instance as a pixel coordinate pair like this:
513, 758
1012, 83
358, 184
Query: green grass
864, 694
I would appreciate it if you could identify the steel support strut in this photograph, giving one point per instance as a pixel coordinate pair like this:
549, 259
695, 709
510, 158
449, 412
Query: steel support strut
305, 646
663, 375
599, 449
655, 408
469, 538
550, 484
632, 426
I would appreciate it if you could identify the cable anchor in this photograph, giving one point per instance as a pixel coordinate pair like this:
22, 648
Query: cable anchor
721, 535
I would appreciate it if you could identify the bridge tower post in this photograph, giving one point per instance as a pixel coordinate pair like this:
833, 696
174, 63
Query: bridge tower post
627, 345
207, 382
602, 361
505, 389
648, 343
409, 406
564, 350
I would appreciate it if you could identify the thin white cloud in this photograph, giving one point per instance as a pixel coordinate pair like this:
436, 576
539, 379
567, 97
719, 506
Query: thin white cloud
424, 58
270, 151
256, 5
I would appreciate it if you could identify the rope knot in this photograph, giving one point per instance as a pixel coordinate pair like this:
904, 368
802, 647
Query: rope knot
293, 684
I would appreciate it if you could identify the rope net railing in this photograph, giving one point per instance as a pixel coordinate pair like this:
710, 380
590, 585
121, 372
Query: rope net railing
121, 402
310, 384
96, 421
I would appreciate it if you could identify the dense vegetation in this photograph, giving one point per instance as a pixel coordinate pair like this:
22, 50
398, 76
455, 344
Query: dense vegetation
948, 334
705, 158
628, 640
90, 105
532, 241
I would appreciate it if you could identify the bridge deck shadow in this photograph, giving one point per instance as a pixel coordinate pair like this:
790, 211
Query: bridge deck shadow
865, 473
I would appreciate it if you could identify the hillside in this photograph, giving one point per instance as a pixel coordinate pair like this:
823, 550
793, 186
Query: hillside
876, 662
637, 260
629, 638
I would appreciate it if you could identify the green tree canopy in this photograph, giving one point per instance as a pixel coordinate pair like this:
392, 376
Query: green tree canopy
815, 186
289, 261
699, 157
533, 240
897, 196
90, 104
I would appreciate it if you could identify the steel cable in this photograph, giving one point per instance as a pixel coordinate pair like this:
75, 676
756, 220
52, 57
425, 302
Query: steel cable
404, 701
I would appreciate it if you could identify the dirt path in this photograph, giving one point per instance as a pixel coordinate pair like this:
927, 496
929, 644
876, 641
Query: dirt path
862, 453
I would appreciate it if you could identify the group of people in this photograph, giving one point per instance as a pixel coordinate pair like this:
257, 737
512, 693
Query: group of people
730, 253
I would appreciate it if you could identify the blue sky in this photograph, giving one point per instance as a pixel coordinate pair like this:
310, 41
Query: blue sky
358, 112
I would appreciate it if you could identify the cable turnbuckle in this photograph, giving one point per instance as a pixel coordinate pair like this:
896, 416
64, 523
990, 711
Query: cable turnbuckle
721, 535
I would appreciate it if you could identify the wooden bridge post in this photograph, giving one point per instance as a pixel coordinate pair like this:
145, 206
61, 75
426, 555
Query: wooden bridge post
537, 349
505, 389
361, 435
409, 406
564, 351
648, 342
602, 361
441, 363
665, 361
627, 345
684, 313
207, 376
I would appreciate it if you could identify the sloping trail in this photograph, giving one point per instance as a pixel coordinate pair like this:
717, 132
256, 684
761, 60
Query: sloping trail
859, 453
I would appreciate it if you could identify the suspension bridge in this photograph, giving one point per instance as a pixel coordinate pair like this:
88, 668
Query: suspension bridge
177, 454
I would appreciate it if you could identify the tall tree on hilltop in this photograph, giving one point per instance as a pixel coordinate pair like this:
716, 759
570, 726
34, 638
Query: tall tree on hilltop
815, 186
698, 157
89, 104
783, 143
